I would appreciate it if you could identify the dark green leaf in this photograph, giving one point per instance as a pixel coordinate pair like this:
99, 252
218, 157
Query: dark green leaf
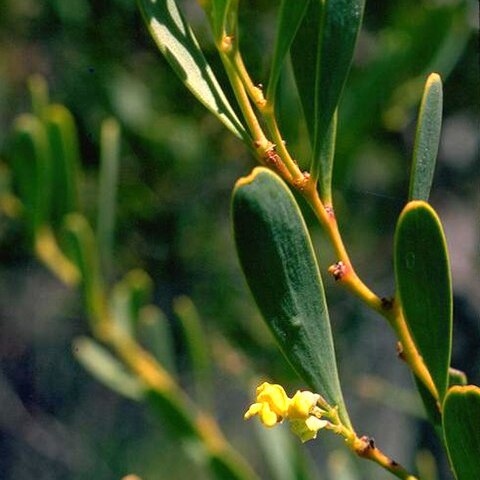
279, 264
427, 139
65, 154
217, 13
424, 287
321, 56
431, 407
31, 162
322, 169
81, 247
102, 365
461, 424
289, 17
107, 192
177, 42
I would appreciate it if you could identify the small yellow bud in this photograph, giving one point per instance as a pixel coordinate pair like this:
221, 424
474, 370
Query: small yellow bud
273, 406
302, 404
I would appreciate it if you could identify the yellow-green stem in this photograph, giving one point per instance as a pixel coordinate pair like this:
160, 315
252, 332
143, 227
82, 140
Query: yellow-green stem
48, 252
349, 278
267, 110
409, 350
365, 447
271, 122
260, 140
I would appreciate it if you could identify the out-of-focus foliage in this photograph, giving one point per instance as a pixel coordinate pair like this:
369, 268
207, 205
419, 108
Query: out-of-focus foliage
178, 165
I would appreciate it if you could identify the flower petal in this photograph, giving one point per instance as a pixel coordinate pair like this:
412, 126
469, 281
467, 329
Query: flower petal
268, 417
254, 409
302, 404
275, 396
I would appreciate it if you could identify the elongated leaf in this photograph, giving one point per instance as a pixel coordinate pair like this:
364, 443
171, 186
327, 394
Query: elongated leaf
10, 205
119, 303
197, 347
81, 247
31, 162
217, 13
279, 264
304, 62
289, 17
424, 287
65, 154
39, 94
107, 195
140, 285
181, 420
427, 139
321, 56
322, 169
98, 361
461, 424
177, 42
155, 333
129, 296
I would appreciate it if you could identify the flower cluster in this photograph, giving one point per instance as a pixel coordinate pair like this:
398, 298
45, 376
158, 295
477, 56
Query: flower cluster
273, 406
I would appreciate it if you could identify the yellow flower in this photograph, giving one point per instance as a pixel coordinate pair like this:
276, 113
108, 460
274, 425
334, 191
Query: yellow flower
302, 404
271, 405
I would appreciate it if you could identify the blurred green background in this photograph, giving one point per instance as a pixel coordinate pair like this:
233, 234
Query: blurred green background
178, 165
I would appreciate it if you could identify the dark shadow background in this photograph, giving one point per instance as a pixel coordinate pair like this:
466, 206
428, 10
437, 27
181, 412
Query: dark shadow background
178, 167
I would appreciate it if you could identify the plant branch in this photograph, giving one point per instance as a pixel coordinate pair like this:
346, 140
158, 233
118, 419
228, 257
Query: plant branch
409, 350
365, 447
267, 111
344, 272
